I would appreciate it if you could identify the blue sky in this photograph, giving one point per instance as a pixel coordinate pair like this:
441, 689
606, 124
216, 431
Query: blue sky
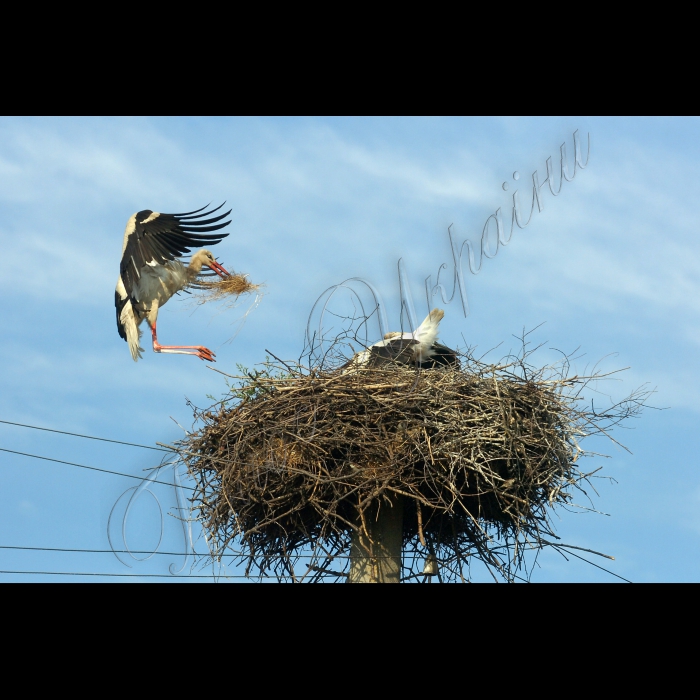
611, 265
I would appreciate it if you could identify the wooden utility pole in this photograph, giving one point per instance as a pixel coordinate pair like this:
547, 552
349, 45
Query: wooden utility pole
386, 532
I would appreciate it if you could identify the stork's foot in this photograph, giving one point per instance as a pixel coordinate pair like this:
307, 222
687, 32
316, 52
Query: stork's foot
206, 354
197, 350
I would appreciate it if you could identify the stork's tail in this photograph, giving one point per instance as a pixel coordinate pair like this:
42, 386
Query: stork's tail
426, 334
133, 332
127, 324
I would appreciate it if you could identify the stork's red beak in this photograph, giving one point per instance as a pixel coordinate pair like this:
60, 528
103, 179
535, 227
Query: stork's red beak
219, 269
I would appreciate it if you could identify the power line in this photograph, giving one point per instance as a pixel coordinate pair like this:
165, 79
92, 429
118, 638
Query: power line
97, 469
109, 551
196, 554
172, 554
89, 437
79, 573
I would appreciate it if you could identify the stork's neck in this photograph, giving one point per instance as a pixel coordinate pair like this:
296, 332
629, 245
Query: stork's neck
194, 268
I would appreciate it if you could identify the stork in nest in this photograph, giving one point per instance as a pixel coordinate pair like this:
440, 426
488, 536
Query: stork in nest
418, 348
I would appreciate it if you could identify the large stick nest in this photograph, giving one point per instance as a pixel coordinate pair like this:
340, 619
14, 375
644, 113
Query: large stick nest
294, 462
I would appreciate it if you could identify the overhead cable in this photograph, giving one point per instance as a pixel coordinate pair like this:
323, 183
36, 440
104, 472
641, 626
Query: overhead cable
97, 469
89, 437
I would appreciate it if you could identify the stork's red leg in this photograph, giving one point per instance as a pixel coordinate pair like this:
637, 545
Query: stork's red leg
197, 350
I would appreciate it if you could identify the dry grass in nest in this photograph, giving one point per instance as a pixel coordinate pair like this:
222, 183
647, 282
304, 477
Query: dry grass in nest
289, 465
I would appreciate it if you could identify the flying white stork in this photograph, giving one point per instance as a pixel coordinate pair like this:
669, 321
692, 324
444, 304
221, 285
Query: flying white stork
150, 273
418, 348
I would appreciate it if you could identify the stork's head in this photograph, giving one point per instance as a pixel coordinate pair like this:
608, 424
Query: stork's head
204, 258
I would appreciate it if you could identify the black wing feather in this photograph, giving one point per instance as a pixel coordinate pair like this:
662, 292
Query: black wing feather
187, 213
203, 229
165, 238
442, 357
199, 216
206, 221
120, 303
399, 350
402, 351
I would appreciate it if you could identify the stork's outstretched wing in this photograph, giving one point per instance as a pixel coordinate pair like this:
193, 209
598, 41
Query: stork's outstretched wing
155, 238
